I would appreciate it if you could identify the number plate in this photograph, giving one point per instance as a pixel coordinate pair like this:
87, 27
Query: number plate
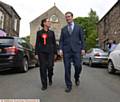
105, 61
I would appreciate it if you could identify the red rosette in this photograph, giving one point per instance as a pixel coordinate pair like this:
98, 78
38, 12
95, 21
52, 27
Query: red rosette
45, 36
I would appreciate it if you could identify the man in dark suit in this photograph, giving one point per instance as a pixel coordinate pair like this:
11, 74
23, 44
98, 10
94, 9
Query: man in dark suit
46, 50
71, 46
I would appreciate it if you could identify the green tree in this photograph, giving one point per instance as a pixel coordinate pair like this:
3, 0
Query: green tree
89, 27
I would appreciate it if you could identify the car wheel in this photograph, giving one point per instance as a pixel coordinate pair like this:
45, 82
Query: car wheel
83, 63
90, 63
111, 68
24, 66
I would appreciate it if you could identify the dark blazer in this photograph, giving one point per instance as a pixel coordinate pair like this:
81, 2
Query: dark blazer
50, 46
74, 41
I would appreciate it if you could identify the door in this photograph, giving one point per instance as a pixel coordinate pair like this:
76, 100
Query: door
115, 55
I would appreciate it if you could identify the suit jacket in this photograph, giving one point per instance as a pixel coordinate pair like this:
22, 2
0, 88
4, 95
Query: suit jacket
50, 46
71, 42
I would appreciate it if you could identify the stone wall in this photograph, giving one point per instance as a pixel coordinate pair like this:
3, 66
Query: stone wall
9, 22
109, 26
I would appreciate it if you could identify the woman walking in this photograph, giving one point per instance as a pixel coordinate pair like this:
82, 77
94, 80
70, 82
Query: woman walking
46, 50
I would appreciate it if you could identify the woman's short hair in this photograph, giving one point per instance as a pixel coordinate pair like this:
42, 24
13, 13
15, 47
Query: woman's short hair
43, 21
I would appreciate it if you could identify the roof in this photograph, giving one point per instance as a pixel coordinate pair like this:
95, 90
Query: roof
54, 7
9, 9
109, 11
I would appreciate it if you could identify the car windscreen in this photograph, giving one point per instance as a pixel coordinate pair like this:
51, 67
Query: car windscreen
99, 50
6, 41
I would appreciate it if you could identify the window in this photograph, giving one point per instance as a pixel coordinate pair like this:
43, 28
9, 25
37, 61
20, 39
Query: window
25, 44
1, 20
89, 51
15, 24
54, 18
6, 41
99, 50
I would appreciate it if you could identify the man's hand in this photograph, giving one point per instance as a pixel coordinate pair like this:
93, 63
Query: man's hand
61, 53
36, 56
55, 57
82, 52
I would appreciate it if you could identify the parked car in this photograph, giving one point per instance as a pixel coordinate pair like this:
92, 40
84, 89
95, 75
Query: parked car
16, 53
95, 56
114, 60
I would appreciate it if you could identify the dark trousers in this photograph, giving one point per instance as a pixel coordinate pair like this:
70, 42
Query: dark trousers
46, 67
76, 59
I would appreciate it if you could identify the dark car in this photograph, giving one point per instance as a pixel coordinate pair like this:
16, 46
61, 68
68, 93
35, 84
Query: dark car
16, 53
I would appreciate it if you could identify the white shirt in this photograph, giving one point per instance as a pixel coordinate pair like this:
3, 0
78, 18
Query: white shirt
113, 46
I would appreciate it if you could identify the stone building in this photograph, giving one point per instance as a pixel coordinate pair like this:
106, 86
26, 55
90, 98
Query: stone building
109, 26
9, 20
57, 22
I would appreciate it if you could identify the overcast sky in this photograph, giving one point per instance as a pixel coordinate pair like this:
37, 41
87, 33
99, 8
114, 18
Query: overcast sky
30, 9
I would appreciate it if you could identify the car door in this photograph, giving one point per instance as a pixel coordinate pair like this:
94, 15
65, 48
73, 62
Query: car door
88, 55
84, 58
26, 50
116, 54
30, 53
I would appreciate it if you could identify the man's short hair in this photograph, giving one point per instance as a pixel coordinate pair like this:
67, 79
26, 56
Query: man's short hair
69, 13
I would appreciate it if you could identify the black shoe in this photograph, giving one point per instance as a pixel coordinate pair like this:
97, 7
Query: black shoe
43, 88
77, 82
50, 83
68, 89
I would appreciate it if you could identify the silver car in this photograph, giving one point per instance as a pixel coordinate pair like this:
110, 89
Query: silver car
95, 56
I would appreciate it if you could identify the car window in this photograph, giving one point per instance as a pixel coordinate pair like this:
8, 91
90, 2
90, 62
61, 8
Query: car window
24, 43
89, 51
27, 44
30, 46
19, 41
99, 50
6, 41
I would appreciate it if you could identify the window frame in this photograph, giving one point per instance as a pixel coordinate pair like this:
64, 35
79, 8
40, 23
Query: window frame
2, 19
